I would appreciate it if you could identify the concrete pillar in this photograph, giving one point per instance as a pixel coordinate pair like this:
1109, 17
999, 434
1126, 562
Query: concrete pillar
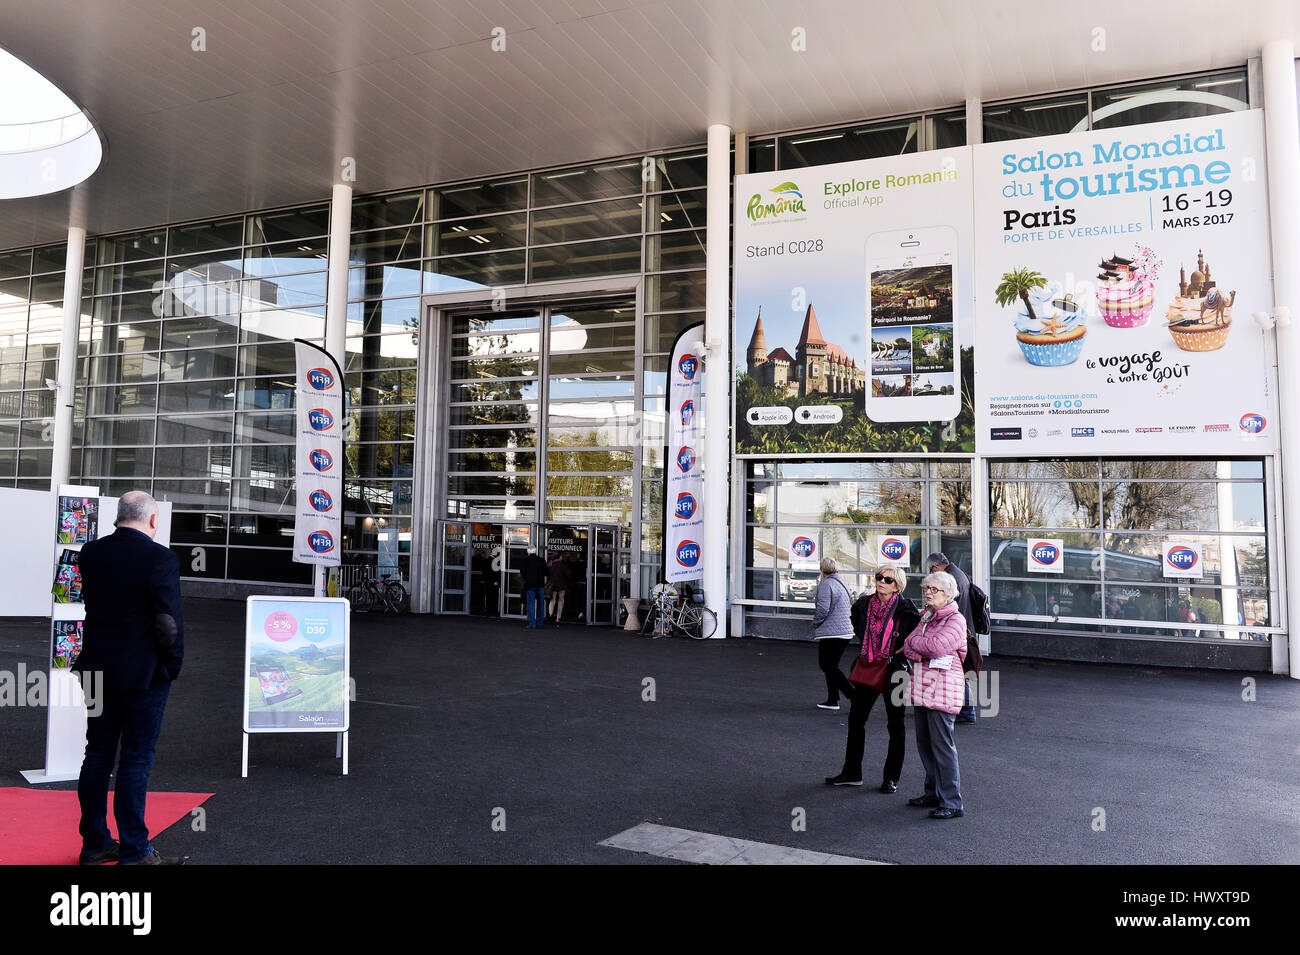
1282, 137
66, 392
717, 401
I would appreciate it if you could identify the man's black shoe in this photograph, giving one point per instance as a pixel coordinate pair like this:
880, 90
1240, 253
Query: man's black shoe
946, 813
99, 858
923, 801
842, 780
889, 786
153, 858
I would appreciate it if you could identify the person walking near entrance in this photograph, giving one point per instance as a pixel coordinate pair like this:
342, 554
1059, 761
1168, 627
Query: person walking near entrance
134, 636
557, 582
534, 572
939, 563
832, 630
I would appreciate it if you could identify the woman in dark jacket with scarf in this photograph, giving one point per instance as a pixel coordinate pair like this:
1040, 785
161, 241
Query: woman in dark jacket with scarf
882, 620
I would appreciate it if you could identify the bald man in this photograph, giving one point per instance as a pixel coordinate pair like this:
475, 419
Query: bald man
134, 636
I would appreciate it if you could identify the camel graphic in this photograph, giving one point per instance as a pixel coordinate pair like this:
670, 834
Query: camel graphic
1217, 305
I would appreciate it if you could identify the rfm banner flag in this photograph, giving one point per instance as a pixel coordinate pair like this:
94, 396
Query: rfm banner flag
319, 524
684, 487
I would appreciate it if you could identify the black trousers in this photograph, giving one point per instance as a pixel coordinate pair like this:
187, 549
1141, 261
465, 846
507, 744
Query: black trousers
829, 652
864, 697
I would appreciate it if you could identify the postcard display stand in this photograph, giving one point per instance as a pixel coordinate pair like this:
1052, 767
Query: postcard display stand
297, 661
80, 516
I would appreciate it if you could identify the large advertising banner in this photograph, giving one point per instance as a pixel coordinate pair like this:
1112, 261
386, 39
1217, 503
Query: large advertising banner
317, 533
854, 294
684, 484
296, 665
1116, 276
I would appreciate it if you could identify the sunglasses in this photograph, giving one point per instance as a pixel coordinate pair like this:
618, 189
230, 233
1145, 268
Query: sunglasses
883, 579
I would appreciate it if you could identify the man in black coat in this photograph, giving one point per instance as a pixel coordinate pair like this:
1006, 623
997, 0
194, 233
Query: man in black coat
939, 561
134, 637
534, 572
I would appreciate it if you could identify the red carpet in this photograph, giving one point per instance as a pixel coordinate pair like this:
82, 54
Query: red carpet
39, 826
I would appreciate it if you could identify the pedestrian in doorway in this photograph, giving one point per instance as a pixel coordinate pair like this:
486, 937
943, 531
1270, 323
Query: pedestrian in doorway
832, 630
938, 562
557, 582
533, 572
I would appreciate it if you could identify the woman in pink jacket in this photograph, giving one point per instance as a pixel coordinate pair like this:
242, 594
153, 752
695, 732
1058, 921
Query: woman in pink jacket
937, 649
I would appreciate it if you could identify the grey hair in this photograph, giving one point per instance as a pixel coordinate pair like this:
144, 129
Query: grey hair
135, 507
938, 558
944, 580
829, 566
898, 573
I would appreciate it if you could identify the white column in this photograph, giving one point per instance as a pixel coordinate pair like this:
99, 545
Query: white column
717, 402
336, 298
1282, 134
66, 392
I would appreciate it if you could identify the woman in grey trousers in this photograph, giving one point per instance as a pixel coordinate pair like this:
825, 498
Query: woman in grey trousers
833, 629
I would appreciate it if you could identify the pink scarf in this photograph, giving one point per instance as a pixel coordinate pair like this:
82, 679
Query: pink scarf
877, 636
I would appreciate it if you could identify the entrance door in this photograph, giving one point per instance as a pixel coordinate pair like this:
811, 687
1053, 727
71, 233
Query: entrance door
515, 541
570, 543
602, 593
453, 568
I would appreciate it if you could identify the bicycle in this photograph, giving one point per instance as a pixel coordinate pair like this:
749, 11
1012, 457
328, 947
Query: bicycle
668, 614
380, 593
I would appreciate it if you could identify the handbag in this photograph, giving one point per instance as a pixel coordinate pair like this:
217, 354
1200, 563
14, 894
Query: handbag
869, 674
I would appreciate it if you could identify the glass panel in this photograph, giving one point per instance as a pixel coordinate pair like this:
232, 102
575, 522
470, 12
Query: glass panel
494, 322
1176, 505
127, 248
264, 462
945, 130
204, 236
204, 363
132, 399
195, 429
619, 178
863, 142
474, 271
606, 257
888, 503
289, 224
260, 494
116, 369
590, 221
258, 427
1079, 470
205, 528
194, 494
495, 391
198, 396
48, 288
117, 462
762, 155
594, 363
478, 198
506, 343
662, 330
15, 264
198, 462
620, 386
375, 213
507, 461
670, 211
128, 277
1043, 117
588, 461
268, 358
1009, 557
390, 315
1039, 504
246, 563
381, 351
675, 250
572, 335
380, 460
503, 485
1169, 100
488, 234
950, 502
675, 291
109, 431
506, 366
494, 438
595, 512
270, 392
384, 281
200, 332
493, 414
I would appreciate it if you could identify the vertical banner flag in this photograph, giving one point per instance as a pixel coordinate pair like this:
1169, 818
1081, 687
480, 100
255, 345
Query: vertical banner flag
684, 484
319, 484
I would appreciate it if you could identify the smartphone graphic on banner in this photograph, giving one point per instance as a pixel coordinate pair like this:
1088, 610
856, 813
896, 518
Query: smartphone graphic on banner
911, 325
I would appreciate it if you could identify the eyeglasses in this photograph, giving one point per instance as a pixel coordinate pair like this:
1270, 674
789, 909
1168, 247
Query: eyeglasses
933, 590
883, 579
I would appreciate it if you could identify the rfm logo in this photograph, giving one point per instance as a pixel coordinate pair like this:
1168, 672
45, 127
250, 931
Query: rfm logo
1182, 557
321, 460
688, 553
1252, 423
320, 379
685, 505
1044, 553
685, 458
320, 500
892, 548
688, 411
687, 365
319, 419
803, 547
321, 542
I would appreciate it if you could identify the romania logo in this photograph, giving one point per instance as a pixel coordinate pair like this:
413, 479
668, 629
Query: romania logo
320, 378
322, 460
319, 419
803, 547
687, 365
320, 542
789, 200
688, 553
1252, 423
685, 508
685, 459
320, 500
1181, 557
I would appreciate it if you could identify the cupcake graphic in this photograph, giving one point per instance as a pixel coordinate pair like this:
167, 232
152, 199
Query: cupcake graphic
1049, 325
1201, 315
1126, 289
